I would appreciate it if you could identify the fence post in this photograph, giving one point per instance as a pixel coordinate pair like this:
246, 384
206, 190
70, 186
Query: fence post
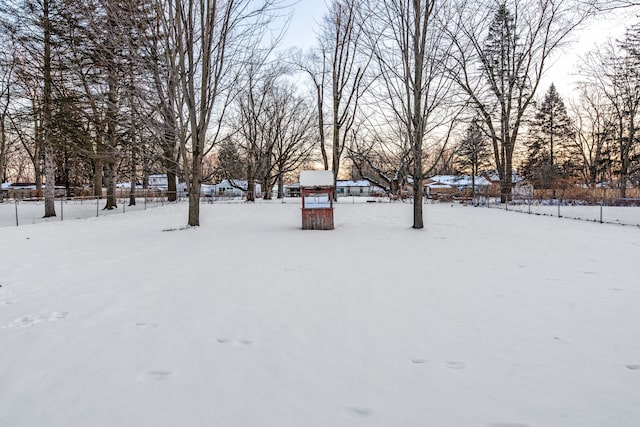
61, 208
601, 204
97, 207
16, 200
559, 216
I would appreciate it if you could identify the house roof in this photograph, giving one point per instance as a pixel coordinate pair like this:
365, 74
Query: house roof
348, 183
457, 181
493, 176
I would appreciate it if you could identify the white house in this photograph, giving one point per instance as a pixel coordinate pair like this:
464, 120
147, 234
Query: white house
159, 181
233, 188
353, 188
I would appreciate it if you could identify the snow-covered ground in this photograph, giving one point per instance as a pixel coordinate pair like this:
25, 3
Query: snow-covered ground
25, 212
484, 318
625, 215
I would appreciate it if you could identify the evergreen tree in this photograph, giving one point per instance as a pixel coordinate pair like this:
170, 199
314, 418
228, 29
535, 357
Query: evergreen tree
473, 152
550, 148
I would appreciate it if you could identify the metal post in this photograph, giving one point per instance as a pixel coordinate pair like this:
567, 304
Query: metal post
97, 207
16, 200
61, 208
145, 200
601, 204
559, 216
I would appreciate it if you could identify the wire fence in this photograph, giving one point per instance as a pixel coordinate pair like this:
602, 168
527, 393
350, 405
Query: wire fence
623, 211
23, 211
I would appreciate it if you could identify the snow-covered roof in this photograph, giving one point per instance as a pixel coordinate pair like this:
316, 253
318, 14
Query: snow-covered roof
438, 185
458, 181
6, 185
494, 177
316, 178
348, 183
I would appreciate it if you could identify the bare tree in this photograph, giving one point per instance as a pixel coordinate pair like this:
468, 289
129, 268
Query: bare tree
411, 51
594, 129
614, 70
7, 80
289, 125
341, 41
314, 65
211, 38
384, 160
501, 52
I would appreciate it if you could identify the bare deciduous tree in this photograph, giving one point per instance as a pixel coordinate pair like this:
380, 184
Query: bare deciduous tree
211, 39
500, 65
411, 51
594, 129
341, 41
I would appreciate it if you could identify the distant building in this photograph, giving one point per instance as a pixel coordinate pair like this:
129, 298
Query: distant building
233, 188
292, 190
454, 183
353, 188
159, 181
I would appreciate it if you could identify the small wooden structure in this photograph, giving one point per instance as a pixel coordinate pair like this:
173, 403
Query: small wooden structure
317, 191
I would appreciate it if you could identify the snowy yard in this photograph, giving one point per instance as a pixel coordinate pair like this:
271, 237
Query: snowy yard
485, 318
26, 212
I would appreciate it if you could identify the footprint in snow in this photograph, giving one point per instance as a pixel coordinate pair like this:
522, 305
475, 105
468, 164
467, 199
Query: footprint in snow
26, 321
239, 342
509, 425
419, 361
454, 365
159, 375
147, 325
359, 411
633, 367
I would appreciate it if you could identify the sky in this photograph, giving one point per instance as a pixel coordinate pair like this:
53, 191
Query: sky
307, 14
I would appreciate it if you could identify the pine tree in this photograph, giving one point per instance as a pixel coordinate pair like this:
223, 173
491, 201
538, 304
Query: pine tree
473, 152
550, 148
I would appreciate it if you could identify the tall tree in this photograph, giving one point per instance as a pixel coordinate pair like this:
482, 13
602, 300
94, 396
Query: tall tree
211, 39
411, 54
551, 147
594, 129
473, 151
500, 66
341, 39
314, 65
7, 80
615, 69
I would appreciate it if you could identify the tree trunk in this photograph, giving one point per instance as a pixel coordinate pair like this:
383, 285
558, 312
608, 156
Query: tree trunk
172, 187
3, 153
49, 189
49, 194
97, 178
194, 191
132, 190
111, 202
280, 187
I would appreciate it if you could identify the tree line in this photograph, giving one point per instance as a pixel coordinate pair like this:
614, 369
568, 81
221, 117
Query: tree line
93, 92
